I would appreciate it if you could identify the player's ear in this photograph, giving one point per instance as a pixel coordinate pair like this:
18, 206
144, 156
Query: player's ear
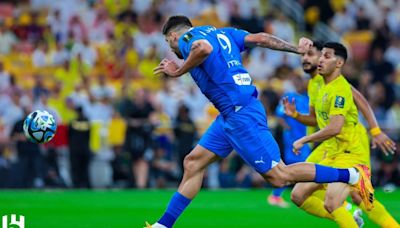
339, 62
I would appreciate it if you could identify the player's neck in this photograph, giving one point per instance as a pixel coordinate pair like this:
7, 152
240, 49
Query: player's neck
314, 73
331, 77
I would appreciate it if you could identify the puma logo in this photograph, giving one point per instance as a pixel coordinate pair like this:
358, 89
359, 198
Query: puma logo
259, 161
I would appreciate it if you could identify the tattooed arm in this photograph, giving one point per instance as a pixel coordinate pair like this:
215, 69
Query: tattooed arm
266, 40
199, 52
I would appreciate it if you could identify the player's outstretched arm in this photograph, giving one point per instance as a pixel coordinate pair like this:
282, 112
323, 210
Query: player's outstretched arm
335, 126
199, 52
306, 119
379, 138
266, 40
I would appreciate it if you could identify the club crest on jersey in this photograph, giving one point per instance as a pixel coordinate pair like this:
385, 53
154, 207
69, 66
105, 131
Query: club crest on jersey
188, 36
339, 102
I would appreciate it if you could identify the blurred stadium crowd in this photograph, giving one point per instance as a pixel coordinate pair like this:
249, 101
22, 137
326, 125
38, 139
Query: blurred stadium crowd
90, 62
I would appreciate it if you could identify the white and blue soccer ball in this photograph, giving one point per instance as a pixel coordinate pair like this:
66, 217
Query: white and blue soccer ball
40, 126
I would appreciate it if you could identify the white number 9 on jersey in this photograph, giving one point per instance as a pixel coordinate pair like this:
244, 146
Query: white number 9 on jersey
224, 42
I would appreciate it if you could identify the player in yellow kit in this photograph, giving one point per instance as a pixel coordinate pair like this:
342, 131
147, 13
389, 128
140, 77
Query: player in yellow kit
337, 118
302, 196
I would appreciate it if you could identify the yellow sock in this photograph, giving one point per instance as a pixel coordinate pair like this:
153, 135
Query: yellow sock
343, 218
315, 206
380, 216
320, 193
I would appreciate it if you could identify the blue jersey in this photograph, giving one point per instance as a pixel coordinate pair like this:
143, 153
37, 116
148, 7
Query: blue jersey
297, 130
221, 77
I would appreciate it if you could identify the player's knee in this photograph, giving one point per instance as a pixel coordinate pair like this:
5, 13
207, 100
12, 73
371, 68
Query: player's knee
190, 164
331, 203
297, 197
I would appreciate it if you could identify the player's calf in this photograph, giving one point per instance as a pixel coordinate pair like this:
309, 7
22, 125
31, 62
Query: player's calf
278, 176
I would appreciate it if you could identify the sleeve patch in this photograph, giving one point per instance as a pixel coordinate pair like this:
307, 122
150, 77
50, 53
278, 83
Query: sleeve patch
339, 102
187, 37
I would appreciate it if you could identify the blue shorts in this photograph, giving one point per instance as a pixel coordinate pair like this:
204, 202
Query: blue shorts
247, 132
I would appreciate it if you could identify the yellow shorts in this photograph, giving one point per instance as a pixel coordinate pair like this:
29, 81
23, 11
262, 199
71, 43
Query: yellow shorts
318, 154
343, 160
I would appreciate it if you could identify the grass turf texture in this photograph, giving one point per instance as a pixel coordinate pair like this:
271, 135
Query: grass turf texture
224, 208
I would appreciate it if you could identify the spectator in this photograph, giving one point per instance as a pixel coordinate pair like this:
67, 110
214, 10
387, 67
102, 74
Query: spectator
102, 28
362, 20
29, 156
392, 54
86, 51
39, 56
162, 167
78, 135
342, 22
7, 39
185, 134
58, 26
138, 136
381, 70
39, 89
59, 55
4, 79
282, 28
166, 98
77, 29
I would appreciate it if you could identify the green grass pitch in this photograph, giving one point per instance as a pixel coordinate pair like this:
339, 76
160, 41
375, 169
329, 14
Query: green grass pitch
130, 208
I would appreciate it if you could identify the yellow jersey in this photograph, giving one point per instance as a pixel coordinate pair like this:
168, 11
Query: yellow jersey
314, 85
335, 98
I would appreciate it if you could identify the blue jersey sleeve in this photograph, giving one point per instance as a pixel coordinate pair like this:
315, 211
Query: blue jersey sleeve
186, 41
238, 36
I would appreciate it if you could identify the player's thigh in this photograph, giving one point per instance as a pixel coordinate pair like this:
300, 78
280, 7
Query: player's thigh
301, 191
336, 194
258, 148
249, 135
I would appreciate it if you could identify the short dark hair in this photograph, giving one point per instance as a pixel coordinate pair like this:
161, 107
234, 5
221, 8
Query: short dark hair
175, 21
318, 45
340, 50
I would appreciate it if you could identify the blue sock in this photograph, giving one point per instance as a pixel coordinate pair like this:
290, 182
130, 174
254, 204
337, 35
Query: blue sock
278, 191
325, 174
176, 205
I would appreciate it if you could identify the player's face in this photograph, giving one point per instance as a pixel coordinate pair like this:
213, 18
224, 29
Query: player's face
310, 59
172, 40
327, 62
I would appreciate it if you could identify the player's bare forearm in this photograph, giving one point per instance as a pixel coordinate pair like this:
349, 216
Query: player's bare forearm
308, 120
266, 40
379, 138
331, 130
364, 107
199, 52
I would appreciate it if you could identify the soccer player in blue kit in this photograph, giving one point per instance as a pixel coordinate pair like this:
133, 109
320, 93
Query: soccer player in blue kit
212, 56
292, 131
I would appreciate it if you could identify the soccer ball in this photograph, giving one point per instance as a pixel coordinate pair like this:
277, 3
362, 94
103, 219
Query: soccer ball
40, 126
